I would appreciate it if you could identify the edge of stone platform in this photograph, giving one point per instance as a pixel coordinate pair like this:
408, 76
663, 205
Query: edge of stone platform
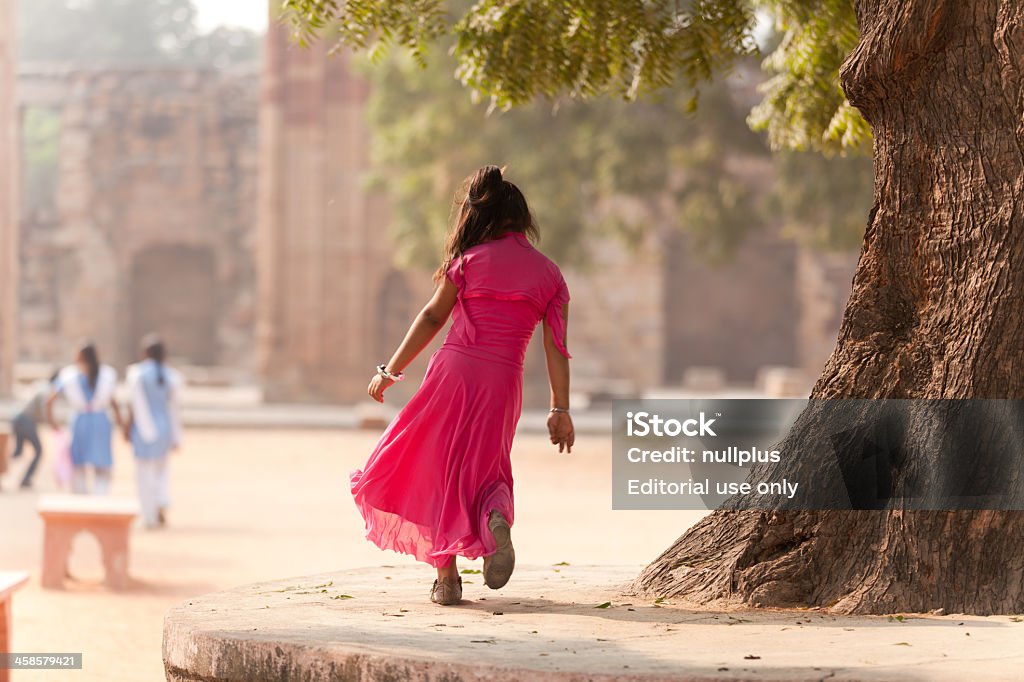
193, 655
213, 659
197, 648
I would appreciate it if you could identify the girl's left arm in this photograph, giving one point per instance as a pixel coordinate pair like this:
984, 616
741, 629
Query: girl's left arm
560, 426
424, 328
49, 409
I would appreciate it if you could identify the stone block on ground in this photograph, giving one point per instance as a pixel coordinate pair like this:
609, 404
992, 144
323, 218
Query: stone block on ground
708, 379
783, 382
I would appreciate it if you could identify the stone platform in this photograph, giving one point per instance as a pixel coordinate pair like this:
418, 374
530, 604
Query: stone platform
570, 623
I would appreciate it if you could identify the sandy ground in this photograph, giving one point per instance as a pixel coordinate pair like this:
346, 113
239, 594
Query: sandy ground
259, 505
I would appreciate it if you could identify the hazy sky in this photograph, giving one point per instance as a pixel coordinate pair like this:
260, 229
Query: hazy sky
247, 13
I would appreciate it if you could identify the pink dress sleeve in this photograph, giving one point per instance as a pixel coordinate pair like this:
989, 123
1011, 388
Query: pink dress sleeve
455, 273
553, 316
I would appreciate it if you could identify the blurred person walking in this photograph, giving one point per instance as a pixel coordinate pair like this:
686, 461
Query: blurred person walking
155, 427
89, 387
25, 427
439, 483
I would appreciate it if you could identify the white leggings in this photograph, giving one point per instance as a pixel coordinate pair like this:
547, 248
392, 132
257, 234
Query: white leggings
154, 493
80, 480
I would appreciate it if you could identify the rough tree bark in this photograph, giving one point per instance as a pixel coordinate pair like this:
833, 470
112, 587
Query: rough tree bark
937, 311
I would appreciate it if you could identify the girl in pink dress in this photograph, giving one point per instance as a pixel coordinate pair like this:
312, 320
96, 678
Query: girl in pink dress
439, 483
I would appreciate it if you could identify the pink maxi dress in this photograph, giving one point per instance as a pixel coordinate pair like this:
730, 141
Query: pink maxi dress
443, 463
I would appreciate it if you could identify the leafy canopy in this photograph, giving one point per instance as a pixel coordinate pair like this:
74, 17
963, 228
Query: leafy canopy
603, 166
512, 51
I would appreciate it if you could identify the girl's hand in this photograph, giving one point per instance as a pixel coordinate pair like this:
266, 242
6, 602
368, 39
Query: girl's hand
377, 386
561, 430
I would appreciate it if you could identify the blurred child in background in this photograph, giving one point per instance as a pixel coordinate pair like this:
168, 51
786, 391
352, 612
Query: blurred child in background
25, 427
155, 428
89, 387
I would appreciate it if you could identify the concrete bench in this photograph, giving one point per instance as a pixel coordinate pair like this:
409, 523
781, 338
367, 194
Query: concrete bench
108, 519
10, 582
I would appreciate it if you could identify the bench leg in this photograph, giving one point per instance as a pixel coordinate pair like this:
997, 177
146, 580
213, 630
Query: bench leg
114, 543
5, 636
56, 549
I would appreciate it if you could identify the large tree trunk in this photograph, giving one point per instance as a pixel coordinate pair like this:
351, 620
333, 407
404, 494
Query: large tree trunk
937, 311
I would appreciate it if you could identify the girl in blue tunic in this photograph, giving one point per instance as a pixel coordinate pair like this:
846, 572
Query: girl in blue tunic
155, 428
89, 387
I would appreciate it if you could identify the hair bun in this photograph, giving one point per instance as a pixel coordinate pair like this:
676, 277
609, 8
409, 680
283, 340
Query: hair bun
485, 186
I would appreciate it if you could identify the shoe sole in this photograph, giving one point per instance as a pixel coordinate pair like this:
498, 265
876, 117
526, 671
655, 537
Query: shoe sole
498, 567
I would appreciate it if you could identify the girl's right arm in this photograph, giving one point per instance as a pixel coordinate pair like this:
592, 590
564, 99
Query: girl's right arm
423, 329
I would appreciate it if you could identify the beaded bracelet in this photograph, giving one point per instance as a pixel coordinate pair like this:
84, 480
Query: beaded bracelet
382, 370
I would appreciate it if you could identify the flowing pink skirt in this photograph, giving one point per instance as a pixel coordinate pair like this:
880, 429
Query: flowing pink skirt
443, 463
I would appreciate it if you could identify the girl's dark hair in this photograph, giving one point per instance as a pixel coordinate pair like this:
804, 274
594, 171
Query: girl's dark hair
491, 207
153, 348
88, 354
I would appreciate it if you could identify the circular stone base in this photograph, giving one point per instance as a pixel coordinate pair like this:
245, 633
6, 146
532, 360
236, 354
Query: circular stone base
552, 623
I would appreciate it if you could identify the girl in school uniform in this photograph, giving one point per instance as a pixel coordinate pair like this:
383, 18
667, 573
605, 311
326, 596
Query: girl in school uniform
89, 388
155, 429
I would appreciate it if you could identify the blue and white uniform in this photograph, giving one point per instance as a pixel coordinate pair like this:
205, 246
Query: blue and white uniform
90, 426
156, 430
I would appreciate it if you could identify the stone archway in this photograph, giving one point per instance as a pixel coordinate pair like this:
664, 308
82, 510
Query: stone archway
174, 293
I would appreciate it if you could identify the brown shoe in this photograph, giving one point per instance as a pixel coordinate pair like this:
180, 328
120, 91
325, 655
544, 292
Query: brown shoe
446, 591
498, 567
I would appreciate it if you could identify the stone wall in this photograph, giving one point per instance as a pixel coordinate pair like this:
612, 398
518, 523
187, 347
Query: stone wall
333, 306
825, 281
229, 213
153, 220
738, 316
617, 320
8, 194
331, 303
